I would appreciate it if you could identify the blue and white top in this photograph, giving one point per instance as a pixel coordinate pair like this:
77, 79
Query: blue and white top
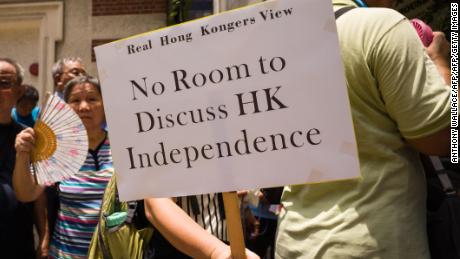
80, 199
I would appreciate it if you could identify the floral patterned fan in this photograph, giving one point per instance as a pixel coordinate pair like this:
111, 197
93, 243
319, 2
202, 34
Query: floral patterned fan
61, 142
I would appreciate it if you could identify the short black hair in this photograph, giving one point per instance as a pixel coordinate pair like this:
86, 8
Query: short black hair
30, 94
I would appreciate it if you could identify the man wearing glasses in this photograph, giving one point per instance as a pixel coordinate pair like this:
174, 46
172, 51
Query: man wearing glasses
16, 219
65, 70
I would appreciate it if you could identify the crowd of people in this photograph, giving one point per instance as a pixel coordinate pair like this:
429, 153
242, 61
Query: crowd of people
399, 98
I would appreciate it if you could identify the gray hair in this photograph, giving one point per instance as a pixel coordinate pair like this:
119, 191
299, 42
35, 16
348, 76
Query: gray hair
58, 67
18, 68
78, 81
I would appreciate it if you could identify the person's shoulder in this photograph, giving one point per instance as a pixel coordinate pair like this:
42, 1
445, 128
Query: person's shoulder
35, 112
376, 14
372, 19
363, 28
14, 113
106, 143
383, 17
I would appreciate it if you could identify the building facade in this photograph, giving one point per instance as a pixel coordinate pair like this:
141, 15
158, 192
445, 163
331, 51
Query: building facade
37, 33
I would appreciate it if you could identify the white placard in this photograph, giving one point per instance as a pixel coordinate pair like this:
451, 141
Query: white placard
254, 97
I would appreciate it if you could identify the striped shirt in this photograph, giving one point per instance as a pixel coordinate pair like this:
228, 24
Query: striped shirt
208, 215
80, 199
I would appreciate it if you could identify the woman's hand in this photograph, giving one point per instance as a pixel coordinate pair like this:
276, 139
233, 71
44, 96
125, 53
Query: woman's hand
25, 141
24, 185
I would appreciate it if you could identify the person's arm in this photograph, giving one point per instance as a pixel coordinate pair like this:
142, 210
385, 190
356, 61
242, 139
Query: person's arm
183, 232
439, 142
416, 97
41, 223
23, 181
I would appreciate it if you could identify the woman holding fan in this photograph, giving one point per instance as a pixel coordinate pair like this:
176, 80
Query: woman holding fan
80, 196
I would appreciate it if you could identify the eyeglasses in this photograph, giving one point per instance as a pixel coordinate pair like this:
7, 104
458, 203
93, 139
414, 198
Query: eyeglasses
76, 72
6, 84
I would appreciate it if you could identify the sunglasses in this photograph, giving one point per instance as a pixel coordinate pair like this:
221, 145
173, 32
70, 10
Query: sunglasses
6, 83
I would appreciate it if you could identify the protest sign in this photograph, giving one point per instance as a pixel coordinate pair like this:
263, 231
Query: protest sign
254, 97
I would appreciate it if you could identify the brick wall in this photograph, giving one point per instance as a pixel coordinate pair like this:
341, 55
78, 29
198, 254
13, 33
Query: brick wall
95, 43
117, 7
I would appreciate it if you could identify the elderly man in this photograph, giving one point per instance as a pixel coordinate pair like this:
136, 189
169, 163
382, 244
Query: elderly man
400, 106
16, 218
64, 70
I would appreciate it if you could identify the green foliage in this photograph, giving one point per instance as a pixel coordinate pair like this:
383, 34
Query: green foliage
178, 11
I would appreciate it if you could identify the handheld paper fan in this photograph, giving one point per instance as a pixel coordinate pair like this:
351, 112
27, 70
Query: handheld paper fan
61, 142
424, 31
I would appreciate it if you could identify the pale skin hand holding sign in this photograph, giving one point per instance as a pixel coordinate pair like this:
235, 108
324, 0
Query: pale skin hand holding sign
184, 233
